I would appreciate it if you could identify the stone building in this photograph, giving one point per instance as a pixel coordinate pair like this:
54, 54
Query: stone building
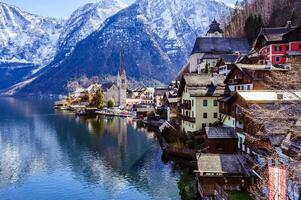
117, 91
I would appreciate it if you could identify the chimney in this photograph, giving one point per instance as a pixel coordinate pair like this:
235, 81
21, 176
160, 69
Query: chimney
214, 80
289, 24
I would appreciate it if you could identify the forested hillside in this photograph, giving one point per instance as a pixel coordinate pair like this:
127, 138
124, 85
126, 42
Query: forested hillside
272, 13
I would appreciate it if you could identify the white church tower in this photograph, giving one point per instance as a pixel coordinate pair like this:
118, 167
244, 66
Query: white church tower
122, 82
215, 30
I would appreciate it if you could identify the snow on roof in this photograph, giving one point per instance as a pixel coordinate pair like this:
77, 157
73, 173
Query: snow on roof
270, 95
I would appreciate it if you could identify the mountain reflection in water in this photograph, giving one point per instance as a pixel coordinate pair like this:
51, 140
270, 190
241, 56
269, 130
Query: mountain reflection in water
55, 155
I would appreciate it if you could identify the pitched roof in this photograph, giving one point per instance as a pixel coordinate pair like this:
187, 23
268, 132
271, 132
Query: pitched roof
275, 34
107, 86
221, 133
250, 69
270, 96
222, 163
221, 45
160, 91
202, 85
276, 120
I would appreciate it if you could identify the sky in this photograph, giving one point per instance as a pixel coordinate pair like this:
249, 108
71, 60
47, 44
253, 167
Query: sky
57, 8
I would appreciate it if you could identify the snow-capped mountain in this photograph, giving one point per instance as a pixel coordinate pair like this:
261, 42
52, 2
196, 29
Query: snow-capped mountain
156, 36
177, 22
27, 38
86, 20
27, 42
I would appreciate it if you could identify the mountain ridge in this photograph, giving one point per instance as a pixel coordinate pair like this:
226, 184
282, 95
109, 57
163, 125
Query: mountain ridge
156, 36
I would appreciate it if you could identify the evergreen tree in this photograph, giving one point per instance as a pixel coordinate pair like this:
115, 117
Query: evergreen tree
252, 27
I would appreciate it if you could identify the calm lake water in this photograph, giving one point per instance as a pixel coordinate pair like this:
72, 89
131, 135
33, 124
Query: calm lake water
51, 155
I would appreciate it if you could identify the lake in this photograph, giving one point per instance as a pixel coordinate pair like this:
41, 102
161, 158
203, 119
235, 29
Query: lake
49, 155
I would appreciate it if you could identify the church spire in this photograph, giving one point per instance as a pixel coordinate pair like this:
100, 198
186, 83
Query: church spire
122, 64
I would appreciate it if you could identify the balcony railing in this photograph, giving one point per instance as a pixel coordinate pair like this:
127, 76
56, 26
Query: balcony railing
185, 106
188, 119
236, 81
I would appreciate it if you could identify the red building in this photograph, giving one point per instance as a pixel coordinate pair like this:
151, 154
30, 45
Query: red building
277, 45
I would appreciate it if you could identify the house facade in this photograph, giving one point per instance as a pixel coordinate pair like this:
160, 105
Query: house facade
199, 95
222, 172
276, 45
250, 77
159, 95
221, 140
247, 126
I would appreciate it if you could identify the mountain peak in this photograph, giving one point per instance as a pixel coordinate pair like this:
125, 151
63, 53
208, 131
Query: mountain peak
86, 20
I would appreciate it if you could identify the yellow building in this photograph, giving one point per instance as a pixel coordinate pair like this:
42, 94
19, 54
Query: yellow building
199, 95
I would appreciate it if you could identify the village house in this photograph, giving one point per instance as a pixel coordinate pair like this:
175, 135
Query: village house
147, 96
218, 174
158, 96
249, 77
133, 97
170, 102
278, 44
227, 62
199, 95
263, 119
221, 140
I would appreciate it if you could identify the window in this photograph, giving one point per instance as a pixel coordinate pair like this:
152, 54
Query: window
215, 102
249, 87
192, 103
186, 113
280, 96
278, 48
204, 125
277, 59
192, 114
205, 115
219, 147
205, 103
215, 115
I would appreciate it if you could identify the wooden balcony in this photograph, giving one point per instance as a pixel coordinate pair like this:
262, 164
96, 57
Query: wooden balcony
185, 106
188, 119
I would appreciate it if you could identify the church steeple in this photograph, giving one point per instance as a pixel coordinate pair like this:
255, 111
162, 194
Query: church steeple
122, 81
215, 30
122, 64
